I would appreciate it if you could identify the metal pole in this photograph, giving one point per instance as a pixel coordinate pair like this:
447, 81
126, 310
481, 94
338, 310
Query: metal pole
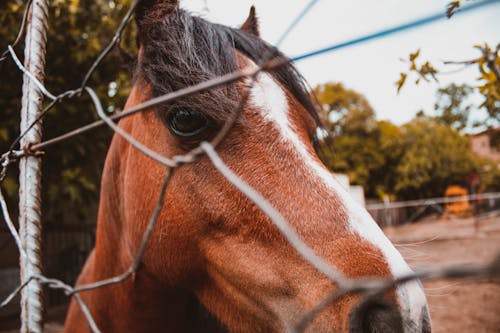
30, 169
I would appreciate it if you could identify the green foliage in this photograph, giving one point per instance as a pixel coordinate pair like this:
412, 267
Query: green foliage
78, 31
426, 155
419, 159
434, 157
451, 107
488, 83
345, 110
361, 147
423, 70
490, 176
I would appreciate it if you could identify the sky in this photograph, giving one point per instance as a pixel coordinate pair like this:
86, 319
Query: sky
371, 68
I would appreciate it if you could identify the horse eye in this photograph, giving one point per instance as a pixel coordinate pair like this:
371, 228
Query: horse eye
187, 122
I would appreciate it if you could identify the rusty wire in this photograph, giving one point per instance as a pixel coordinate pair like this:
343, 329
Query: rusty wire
21, 31
366, 286
142, 248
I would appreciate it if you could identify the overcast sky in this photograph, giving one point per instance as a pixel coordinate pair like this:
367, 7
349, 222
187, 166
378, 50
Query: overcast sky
371, 68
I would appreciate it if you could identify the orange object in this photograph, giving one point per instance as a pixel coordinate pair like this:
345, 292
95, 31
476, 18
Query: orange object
459, 207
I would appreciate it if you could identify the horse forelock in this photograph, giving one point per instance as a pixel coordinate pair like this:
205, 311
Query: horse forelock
183, 50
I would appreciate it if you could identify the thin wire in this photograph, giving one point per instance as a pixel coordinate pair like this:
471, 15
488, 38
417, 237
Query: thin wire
275, 216
360, 285
54, 284
121, 132
296, 22
378, 285
393, 30
213, 83
272, 64
433, 201
58, 284
111, 45
142, 249
66, 94
11, 227
71, 93
31, 76
21, 32
12, 155
231, 77
16, 292
38, 119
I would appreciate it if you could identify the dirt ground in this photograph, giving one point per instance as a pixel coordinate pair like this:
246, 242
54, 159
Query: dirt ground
455, 305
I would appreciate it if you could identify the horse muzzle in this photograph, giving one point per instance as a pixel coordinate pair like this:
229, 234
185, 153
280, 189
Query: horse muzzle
375, 316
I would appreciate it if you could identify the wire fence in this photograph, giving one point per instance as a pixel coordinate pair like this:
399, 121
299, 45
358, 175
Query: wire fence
482, 205
345, 285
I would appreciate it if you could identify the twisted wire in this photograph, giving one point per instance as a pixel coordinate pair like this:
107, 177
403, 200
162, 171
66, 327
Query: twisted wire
30, 145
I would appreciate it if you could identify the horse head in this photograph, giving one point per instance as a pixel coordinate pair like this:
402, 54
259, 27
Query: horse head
213, 252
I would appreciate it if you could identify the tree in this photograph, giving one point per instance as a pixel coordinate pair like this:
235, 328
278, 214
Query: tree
361, 146
419, 159
434, 157
451, 106
345, 110
78, 31
488, 83
490, 176
390, 144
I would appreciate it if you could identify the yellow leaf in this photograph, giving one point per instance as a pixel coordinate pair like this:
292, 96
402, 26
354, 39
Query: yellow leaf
451, 8
414, 56
401, 81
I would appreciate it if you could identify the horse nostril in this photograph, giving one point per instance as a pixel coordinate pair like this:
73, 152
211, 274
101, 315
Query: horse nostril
425, 321
375, 316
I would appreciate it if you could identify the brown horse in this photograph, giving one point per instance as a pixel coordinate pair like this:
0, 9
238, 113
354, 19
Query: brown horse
215, 262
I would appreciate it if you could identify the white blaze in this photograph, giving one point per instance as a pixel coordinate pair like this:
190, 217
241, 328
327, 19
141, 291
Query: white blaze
268, 97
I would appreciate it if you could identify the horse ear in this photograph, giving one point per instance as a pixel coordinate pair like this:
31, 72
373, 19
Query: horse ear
151, 12
252, 23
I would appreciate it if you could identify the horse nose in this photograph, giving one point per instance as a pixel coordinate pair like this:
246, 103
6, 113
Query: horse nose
374, 316
425, 321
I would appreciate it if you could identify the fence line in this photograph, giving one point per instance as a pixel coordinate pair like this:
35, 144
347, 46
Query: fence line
366, 286
401, 212
433, 201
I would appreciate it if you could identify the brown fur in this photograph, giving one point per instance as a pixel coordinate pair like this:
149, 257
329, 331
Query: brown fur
252, 23
211, 241
215, 262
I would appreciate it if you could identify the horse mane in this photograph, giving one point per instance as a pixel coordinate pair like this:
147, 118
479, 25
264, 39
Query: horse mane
181, 50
